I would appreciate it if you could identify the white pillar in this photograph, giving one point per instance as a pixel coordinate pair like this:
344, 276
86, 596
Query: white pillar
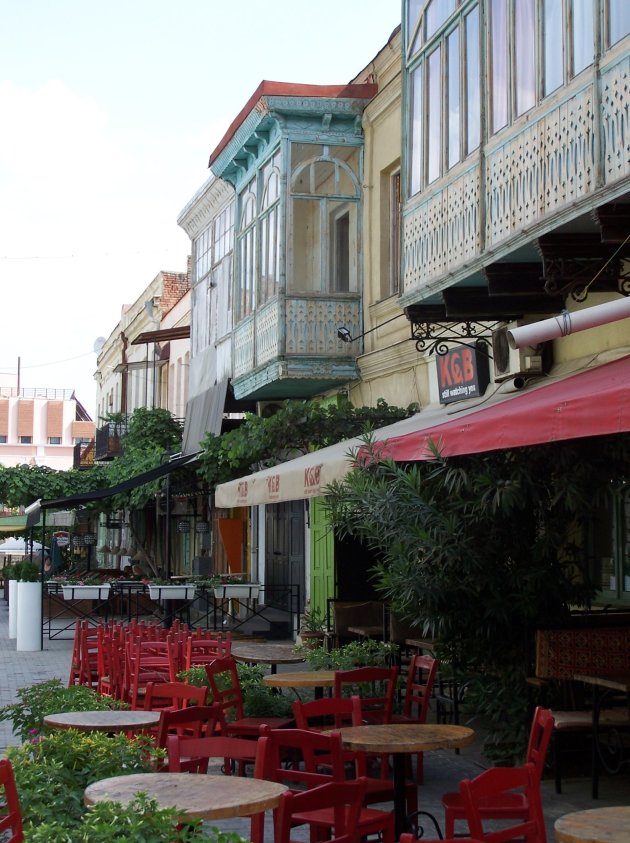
13, 600
29, 616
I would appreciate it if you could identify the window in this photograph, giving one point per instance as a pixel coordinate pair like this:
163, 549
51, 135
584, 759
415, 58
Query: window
618, 20
393, 276
25, 440
3, 439
611, 548
324, 218
54, 440
582, 34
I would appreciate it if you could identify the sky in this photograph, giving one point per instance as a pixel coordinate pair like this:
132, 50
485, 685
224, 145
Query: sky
108, 114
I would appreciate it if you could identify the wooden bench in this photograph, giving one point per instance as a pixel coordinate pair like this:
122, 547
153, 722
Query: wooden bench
597, 644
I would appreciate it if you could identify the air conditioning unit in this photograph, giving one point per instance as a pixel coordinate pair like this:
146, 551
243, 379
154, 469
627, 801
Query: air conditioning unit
514, 362
266, 409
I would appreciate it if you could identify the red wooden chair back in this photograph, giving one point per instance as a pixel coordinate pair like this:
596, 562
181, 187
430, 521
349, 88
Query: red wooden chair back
173, 695
196, 721
493, 783
375, 685
342, 800
539, 738
10, 815
419, 688
192, 755
300, 758
202, 651
327, 713
226, 687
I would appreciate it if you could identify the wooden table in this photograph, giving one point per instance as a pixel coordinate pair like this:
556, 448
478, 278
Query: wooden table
195, 796
599, 825
421, 644
272, 654
400, 739
612, 757
317, 679
367, 631
103, 721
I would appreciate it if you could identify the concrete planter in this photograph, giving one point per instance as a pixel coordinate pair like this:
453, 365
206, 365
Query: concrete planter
13, 602
29, 616
86, 592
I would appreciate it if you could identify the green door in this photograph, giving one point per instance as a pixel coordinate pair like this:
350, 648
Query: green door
322, 577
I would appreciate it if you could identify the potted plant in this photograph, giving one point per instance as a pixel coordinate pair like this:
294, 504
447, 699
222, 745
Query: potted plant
312, 627
169, 590
11, 576
85, 588
236, 586
29, 607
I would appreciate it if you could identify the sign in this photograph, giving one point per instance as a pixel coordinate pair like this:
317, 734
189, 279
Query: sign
202, 527
89, 538
463, 372
183, 526
62, 537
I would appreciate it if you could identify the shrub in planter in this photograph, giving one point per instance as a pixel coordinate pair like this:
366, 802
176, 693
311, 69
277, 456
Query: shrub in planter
53, 770
29, 572
51, 697
258, 699
366, 652
142, 820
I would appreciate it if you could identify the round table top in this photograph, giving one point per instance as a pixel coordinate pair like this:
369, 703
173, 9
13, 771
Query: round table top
405, 737
301, 679
597, 825
103, 721
197, 797
266, 653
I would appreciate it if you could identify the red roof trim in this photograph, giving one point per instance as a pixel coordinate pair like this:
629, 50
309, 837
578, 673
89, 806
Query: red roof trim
291, 89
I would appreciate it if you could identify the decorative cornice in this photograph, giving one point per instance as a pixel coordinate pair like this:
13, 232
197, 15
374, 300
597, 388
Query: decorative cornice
205, 205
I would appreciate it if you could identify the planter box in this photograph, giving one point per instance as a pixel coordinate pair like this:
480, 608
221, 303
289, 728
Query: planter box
86, 592
248, 590
172, 592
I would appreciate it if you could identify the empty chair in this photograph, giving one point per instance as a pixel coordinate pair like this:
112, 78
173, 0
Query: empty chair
173, 695
507, 805
196, 721
148, 661
336, 712
341, 800
418, 690
409, 838
303, 759
201, 651
226, 691
493, 784
375, 685
192, 755
10, 815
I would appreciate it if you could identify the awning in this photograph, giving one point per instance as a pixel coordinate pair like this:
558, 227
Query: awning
593, 402
204, 413
33, 511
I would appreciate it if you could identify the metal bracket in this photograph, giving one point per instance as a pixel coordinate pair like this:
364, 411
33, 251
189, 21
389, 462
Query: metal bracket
435, 337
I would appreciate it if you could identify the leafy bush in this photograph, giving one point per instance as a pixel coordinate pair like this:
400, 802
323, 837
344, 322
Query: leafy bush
53, 770
142, 820
51, 697
258, 699
367, 652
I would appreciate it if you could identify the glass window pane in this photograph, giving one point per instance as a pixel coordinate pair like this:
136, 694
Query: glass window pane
436, 13
553, 45
452, 48
524, 43
473, 101
582, 34
413, 10
498, 46
619, 20
434, 116
415, 131
306, 244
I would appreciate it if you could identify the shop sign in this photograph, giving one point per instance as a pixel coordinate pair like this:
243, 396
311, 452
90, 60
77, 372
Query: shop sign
463, 372
183, 526
202, 527
62, 537
89, 538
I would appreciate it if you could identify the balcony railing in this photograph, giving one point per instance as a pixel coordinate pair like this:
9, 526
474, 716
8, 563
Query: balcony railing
109, 441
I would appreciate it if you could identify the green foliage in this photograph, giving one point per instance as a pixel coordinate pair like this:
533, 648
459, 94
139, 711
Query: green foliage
364, 653
258, 699
313, 619
53, 770
141, 821
51, 697
29, 572
11, 571
297, 428
481, 550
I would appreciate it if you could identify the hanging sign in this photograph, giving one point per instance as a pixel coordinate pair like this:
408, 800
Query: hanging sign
463, 372
62, 537
183, 526
202, 527
89, 538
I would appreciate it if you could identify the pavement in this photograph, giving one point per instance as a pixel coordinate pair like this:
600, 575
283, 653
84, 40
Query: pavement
442, 770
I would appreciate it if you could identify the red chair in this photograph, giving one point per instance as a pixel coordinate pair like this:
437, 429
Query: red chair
343, 801
201, 651
507, 805
148, 661
336, 712
192, 755
419, 688
494, 784
304, 759
196, 721
173, 695
226, 691
409, 838
375, 685
10, 815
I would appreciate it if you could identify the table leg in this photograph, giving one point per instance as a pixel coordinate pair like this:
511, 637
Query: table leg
400, 803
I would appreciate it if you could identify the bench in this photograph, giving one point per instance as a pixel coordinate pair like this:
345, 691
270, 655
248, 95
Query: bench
593, 644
